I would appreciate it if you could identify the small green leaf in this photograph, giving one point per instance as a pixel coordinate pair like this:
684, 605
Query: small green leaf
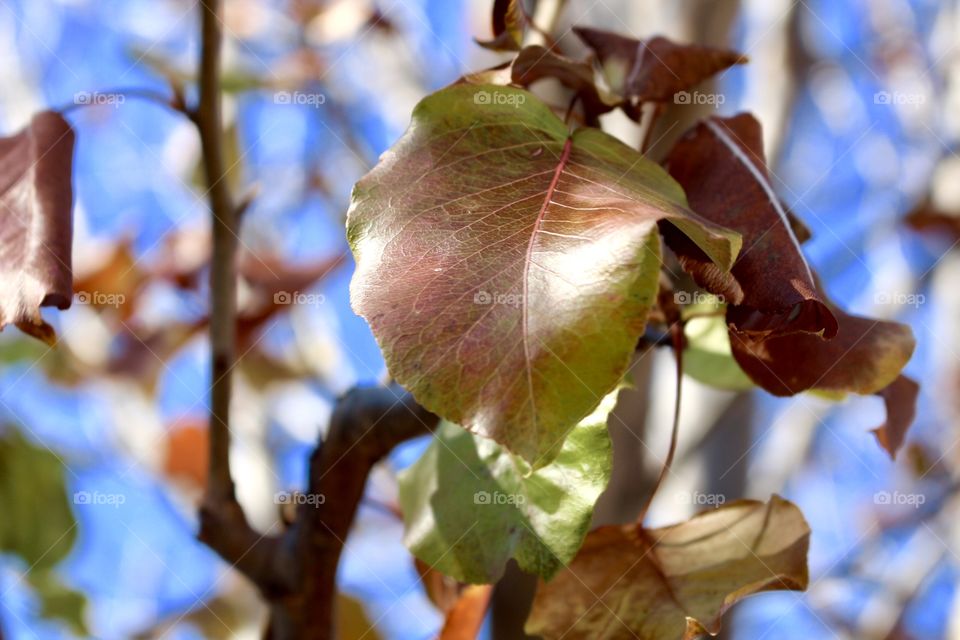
469, 506
58, 601
708, 358
37, 523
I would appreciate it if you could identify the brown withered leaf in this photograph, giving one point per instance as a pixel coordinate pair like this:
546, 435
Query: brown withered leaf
465, 618
188, 443
536, 63
113, 283
674, 583
771, 288
929, 218
36, 227
653, 70
508, 23
900, 399
865, 357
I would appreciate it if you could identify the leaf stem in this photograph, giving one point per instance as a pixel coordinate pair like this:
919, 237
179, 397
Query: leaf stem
676, 332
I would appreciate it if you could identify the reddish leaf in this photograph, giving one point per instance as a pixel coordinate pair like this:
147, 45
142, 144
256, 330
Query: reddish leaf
865, 356
900, 399
720, 165
653, 70
36, 228
466, 617
674, 583
506, 267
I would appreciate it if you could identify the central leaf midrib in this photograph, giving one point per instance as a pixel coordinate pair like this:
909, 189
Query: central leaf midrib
548, 197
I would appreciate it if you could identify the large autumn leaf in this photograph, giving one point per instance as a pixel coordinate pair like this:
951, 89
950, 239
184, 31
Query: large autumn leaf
653, 70
507, 266
720, 164
469, 506
36, 228
674, 583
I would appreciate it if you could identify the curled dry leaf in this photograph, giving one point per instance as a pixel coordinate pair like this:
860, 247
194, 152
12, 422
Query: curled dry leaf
865, 357
507, 266
784, 333
720, 165
508, 24
674, 583
900, 399
36, 227
653, 70
536, 63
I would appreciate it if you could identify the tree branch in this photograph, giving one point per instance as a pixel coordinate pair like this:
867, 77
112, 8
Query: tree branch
367, 423
223, 264
295, 570
223, 525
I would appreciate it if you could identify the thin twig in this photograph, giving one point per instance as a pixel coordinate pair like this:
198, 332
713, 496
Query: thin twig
223, 264
118, 96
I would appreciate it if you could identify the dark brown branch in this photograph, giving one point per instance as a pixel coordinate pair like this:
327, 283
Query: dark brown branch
367, 423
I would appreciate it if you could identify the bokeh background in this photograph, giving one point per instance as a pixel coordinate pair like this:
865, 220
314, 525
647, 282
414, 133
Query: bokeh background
102, 440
